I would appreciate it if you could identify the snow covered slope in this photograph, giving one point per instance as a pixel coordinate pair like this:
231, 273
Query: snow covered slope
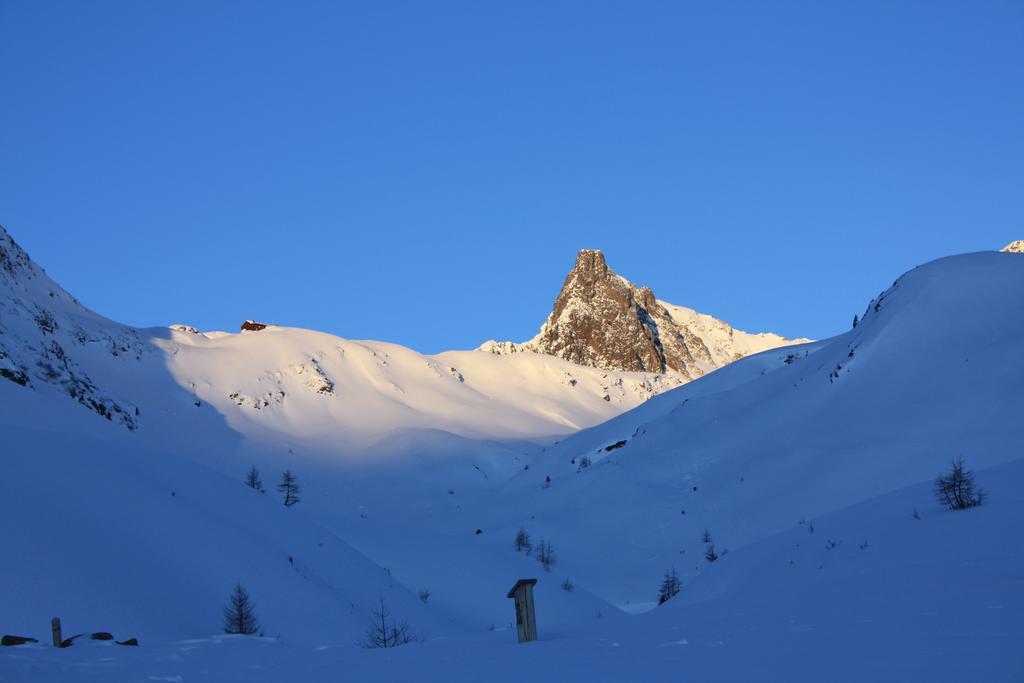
113, 536
872, 595
103, 421
125, 450
288, 382
932, 371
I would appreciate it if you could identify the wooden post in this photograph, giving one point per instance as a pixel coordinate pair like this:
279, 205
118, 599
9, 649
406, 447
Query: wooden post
526, 617
55, 627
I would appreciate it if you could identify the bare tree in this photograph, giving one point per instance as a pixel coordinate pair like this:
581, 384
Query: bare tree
240, 614
546, 554
669, 587
253, 480
290, 488
383, 631
956, 490
706, 538
522, 542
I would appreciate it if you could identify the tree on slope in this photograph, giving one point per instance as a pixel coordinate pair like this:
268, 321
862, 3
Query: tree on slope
240, 614
522, 542
290, 488
669, 587
956, 489
710, 554
546, 555
383, 631
253, 480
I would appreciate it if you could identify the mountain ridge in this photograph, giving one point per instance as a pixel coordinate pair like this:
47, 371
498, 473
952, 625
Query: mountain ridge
289, 378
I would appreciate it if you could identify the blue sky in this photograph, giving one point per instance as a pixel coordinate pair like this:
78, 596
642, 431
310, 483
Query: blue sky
424, 172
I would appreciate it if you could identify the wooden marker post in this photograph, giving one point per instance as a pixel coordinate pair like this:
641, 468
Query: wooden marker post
55, 627
526, 617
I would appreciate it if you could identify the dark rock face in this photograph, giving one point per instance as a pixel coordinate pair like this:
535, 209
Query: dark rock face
602, 320
253, 326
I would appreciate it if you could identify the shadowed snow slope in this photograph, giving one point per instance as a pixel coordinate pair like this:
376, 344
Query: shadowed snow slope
892, 598
932, 371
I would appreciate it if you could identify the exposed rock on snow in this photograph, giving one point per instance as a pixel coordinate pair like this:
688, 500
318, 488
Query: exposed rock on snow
314, 377
1015, 247
257, 402
253, 326
602, 320
39, 321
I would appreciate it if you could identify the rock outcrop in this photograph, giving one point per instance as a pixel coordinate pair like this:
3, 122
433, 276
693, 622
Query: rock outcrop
602, 320
48, 340
1015, 247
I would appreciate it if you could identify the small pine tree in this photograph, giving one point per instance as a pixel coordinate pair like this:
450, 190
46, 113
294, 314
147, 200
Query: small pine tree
706, 538
856, 320
253, 481
956, 490
709, 553
567, 585
240, 614
522, 542
546, 555
290, 488
669, 587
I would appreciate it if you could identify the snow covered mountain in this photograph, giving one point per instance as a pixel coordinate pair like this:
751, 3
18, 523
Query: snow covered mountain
294, 383
811, 464
792, 433
1015, 247
602, 320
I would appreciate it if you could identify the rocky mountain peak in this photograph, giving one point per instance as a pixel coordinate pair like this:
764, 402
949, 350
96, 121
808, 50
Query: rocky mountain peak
590, 262
601, 319
1015, 247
